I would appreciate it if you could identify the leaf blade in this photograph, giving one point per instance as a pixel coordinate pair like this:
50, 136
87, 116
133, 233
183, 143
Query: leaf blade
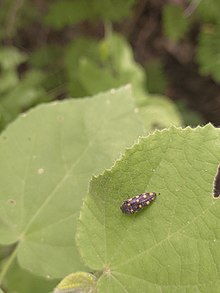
58, 147
172, 244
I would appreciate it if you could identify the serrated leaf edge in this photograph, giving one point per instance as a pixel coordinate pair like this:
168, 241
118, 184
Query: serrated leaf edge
115, 164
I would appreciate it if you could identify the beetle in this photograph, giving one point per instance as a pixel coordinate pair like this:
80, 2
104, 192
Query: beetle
136, 203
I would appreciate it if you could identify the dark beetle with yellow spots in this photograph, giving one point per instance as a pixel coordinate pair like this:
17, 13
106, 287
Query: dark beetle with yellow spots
136, 203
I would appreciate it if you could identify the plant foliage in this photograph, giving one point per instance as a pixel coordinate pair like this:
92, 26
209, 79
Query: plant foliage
21, 281
14, 16
59, 146
208, 52
208, 10
170, 246
17, 94
156, 78
49, 240
174, 23
71, 12
93, 67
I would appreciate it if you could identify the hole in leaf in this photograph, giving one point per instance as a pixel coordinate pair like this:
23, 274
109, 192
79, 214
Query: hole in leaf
216, 185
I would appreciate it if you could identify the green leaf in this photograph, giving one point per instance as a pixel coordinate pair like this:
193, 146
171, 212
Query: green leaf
48, 55
27, 93
63, 12
46, 160
158, 113
156, 78
111, 64
21, 281
77, 283
171, 245
80, 49
49, 58
17, 94
11, 58
190, 117
93, 67
9, 79
208, 10
175, 24
208, 51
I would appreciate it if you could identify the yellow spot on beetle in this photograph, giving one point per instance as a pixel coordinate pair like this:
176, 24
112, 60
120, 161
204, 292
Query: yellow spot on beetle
144, 196
137, 200
129, 204
147, 202
151, 194
137, 196
140, 206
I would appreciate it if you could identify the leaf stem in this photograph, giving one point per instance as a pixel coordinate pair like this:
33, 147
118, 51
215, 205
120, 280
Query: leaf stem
7, 264
191, 8
108, 29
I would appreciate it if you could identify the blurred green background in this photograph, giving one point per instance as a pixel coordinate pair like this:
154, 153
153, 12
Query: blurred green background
168, 50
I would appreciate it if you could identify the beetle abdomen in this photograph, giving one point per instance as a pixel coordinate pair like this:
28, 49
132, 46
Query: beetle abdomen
136, 203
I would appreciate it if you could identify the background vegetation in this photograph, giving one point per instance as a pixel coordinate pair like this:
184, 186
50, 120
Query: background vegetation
103, 73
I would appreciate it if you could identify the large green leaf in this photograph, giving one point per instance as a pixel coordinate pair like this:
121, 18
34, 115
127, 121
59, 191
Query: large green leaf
21, 281
172, 245
46, 159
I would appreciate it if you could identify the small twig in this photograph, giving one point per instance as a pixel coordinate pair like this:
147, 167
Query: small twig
191, 8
